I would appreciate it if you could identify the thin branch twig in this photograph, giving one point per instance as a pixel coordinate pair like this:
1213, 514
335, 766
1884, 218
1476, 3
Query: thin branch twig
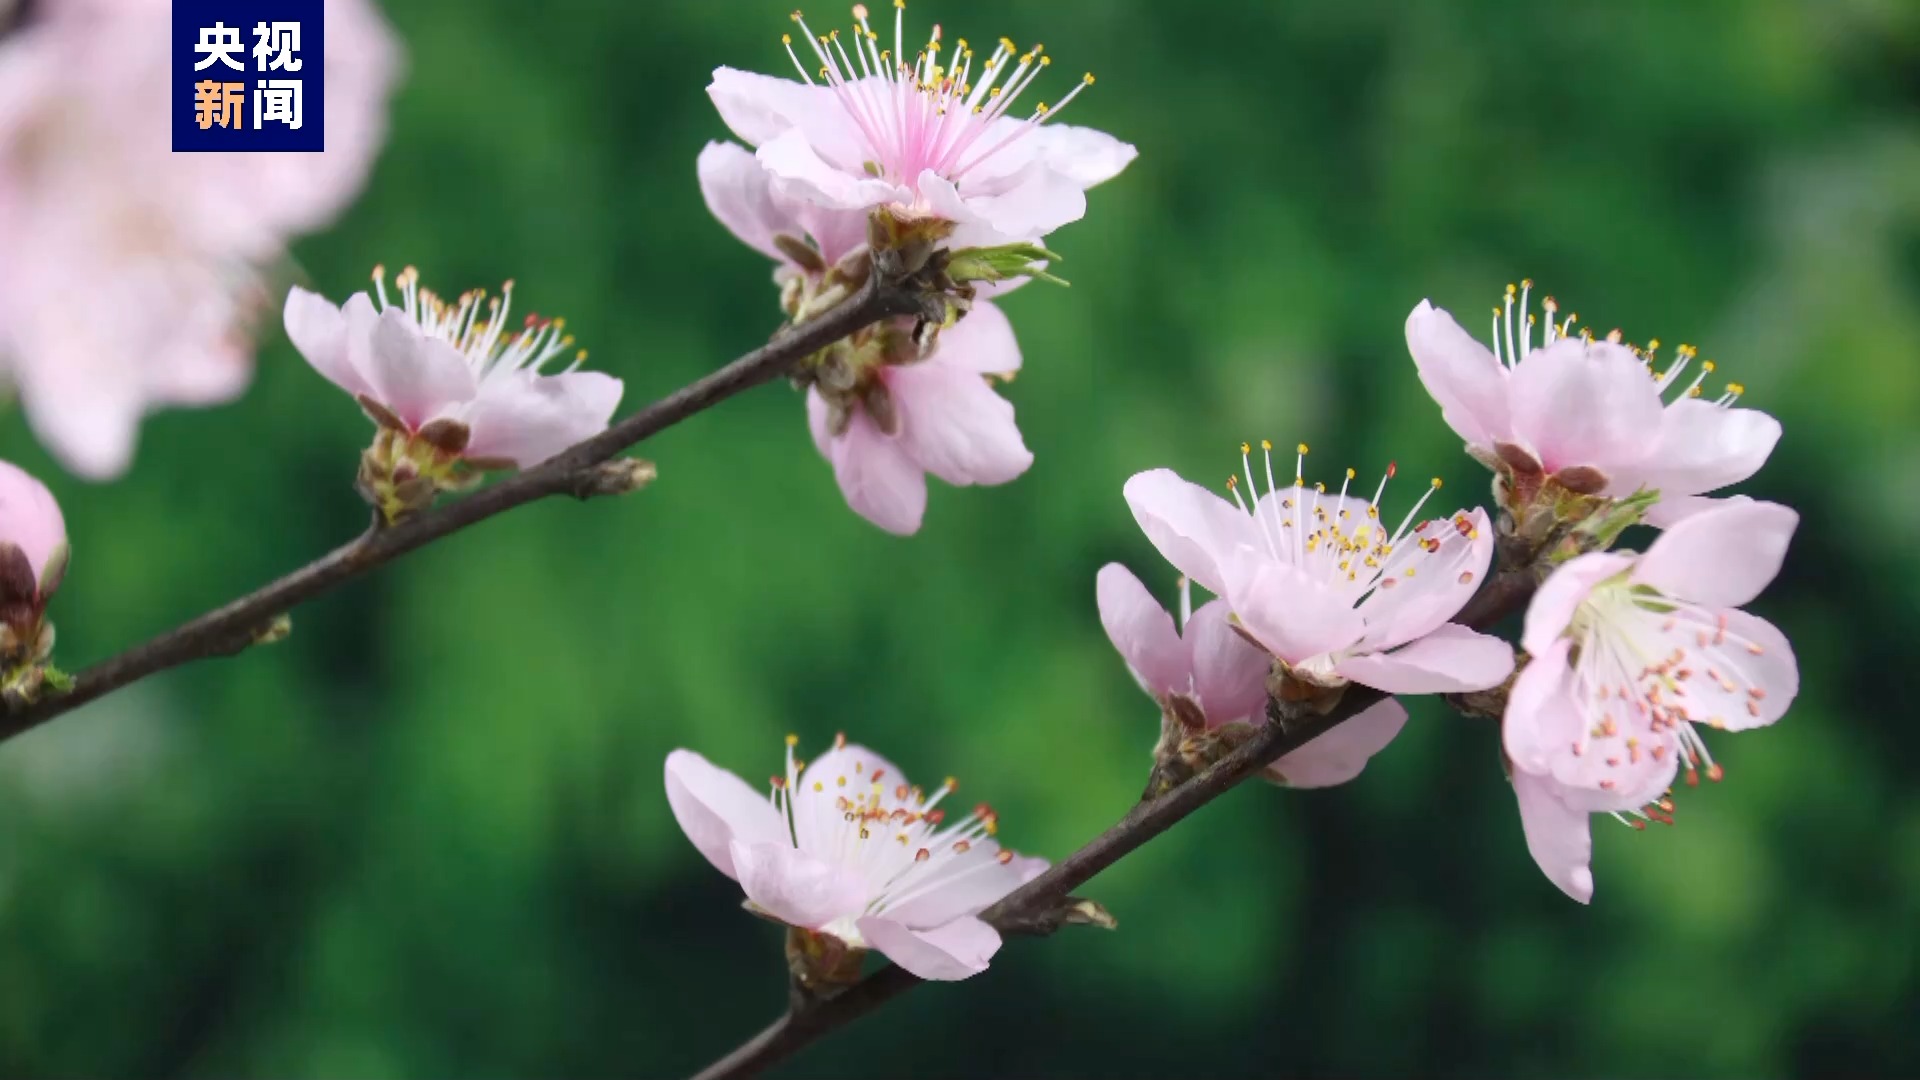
580, 471
1025, 910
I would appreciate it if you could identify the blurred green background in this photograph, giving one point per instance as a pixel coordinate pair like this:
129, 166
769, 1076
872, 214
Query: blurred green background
427, 836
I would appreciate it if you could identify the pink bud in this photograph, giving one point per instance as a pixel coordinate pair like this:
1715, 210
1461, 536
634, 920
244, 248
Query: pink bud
30, 520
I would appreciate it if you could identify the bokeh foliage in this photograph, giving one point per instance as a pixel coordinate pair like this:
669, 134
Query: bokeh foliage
426, 836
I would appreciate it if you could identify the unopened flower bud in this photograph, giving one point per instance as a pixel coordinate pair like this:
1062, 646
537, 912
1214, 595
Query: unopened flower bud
34, 554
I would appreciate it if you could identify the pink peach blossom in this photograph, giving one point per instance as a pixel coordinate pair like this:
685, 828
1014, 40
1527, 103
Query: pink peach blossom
1322, 585
425, 360
1575, 403
847, 847
1632, 654
925, 139
132, 275
1205, 670
944, 416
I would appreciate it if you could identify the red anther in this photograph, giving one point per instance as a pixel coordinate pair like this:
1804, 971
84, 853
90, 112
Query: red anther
1005, 856
877, 774
961, 847
1693, 778
982, 811
1715, 773
1392, 468
922, 855
936, 815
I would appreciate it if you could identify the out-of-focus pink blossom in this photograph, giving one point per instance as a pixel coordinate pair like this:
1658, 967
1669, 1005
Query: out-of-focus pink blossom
131, 277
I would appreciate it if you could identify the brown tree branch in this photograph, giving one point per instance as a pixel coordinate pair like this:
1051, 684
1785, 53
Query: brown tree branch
587, 469
1029, 909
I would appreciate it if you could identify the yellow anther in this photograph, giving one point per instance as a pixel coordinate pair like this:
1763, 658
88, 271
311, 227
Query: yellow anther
793, 740
1512, 288
1436, 483
786, 39
1707, 364
1087, 78
1265, 445
1301, 449
1246, 448
1526, 283
1350, 474
1736, 389
796, 15
1652, 344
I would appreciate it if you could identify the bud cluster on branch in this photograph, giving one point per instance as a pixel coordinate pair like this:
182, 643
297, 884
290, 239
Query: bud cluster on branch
899, 188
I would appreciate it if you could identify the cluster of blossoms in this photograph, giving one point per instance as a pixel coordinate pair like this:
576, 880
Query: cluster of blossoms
873, 149
133, 277
918, 168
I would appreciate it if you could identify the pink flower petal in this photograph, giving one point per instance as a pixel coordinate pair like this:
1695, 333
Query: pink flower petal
1564, 590
1463, 375
1340, 754
714, 807
1193, 528
760, 108
1294, 615
1081, 154
417, 377
1721, 557
958, 950
1728, 673
954, 425
799, 172
1703, 447
795, 887
848, 771
1445, 581
526, 418
1557, 836
319, 331
1541, 721
982, 343
1579, 403
1451, 659
1142, 631
30, 518
1671, 510
740, 193
880, 481
1229, 672
1039, 202
975, 880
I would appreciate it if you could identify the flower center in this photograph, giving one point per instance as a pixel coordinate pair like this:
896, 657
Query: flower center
926, 115
490, 349
1512, 338
894, 835
1649, 669
1339, 539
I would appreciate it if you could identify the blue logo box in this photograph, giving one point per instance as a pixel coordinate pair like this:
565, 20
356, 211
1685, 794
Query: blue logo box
249, 75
